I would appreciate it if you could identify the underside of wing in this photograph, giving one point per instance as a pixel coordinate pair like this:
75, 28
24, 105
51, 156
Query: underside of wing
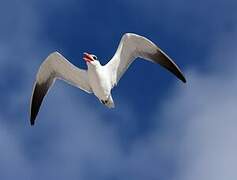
132, 46
164, 60
55, 67
39, 91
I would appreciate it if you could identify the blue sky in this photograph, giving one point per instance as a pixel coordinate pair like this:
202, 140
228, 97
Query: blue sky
160, 128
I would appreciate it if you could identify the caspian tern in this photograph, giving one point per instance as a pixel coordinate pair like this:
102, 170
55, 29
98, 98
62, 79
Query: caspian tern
98, 79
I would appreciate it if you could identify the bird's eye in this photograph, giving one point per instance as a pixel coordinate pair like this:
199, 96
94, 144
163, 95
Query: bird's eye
94, 57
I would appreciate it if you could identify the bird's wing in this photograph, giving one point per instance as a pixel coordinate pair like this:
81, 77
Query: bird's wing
132, 46
55, 67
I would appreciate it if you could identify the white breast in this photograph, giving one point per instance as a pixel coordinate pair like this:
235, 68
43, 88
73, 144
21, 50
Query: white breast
99, 81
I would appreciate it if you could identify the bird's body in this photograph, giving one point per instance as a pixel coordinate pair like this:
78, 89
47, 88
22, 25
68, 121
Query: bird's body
98, 79
100, 82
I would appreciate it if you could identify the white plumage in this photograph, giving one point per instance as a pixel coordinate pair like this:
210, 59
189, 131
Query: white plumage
98, 79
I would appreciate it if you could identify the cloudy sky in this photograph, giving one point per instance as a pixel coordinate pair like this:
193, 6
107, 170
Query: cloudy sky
160, 129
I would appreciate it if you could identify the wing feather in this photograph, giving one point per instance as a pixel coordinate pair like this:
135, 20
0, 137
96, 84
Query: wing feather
133, 46
55, 67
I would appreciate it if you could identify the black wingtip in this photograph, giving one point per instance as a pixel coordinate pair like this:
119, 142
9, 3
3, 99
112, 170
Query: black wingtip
32, 122
164, 60
182, 78
40, 91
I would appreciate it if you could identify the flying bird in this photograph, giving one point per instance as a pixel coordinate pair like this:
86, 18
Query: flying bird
98, 79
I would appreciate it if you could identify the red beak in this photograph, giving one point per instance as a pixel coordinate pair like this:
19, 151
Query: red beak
88, 57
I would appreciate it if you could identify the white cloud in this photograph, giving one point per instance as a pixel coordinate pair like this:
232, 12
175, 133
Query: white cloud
207, 144
201, 119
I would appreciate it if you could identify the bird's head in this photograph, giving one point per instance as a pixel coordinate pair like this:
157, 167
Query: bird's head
91, 59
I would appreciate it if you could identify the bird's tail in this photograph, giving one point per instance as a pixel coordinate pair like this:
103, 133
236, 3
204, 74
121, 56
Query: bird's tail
110, 102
